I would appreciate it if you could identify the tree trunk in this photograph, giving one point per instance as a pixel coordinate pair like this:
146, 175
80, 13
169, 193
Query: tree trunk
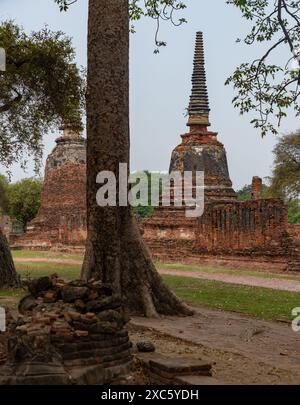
115, 251
8, 274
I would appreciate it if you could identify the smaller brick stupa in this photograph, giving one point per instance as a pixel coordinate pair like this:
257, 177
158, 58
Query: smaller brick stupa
61, 220
200, 150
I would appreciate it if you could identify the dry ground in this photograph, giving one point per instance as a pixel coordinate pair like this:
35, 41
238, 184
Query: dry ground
245, 350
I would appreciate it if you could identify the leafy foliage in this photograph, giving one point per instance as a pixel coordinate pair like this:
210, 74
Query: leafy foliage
262, 86
143, 212
23, 200
40, 88
294, 211
285, 181
244, 194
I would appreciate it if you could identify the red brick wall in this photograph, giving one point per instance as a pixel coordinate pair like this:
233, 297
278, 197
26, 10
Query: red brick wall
234, 231
295, 231
61, 220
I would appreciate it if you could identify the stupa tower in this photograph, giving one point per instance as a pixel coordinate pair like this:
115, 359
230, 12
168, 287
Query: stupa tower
61, 219
200, 150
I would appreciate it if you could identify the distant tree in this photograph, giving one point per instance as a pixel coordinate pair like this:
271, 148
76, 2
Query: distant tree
285, 179
244, 194
294, 211
24, 200
40, 88
146, 211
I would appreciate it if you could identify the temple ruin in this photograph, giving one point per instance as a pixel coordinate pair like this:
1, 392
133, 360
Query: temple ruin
249, 234
61, 219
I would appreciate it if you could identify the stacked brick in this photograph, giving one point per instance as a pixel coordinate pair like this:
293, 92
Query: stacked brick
67, 333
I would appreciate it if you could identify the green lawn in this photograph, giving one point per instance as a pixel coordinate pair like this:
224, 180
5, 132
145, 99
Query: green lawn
28, 254
255, 301
260, 302
36, 269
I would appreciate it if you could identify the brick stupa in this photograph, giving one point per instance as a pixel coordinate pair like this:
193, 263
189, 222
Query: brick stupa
200, 150
247, 234
61, 219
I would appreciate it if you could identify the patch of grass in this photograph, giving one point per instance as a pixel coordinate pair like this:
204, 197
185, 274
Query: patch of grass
36, 269
224, 270
29, 254
255, 301
11, 292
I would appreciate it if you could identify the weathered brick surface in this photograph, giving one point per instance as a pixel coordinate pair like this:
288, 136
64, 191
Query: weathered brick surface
54, 343
61, 220
294, 230
257, 186
230, 232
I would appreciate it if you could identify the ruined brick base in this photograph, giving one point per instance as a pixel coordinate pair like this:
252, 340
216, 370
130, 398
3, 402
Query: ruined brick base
67, 333
252, 234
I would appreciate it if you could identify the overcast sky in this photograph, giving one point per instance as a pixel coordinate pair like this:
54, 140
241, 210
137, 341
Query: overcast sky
160, 84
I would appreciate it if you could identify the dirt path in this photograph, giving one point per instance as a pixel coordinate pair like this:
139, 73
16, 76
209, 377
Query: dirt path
273, 283
245, 350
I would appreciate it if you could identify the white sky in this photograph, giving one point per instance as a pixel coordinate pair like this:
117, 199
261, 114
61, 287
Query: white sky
160, 84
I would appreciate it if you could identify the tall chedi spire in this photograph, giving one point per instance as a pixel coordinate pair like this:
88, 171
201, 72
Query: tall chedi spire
200, 149
199, 104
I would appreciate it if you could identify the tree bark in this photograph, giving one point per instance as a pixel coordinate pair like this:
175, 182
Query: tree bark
115, 251
8, 274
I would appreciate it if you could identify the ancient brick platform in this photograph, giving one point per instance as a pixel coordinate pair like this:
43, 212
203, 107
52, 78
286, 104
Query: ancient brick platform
252, 234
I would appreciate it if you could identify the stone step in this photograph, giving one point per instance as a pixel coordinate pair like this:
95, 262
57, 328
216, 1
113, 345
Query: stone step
165, 370
180, 365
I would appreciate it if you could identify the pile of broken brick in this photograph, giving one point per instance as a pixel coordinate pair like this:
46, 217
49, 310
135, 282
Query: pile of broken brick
67, 333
